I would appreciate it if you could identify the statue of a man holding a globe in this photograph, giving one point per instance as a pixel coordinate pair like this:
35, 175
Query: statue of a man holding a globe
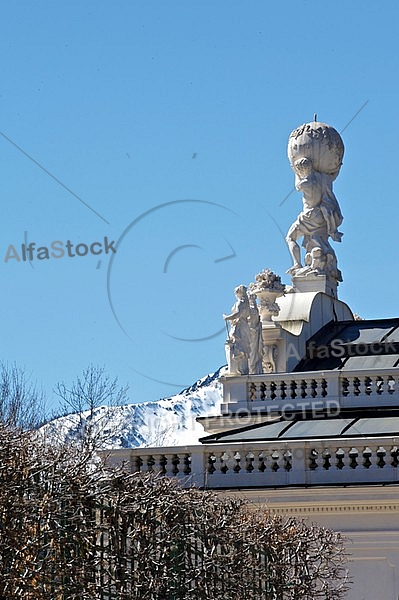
315, 151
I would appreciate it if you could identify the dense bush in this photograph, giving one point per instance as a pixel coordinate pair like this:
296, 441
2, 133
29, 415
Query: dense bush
72, 529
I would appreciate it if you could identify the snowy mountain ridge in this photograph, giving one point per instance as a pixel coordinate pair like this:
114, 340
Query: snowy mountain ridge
166, 422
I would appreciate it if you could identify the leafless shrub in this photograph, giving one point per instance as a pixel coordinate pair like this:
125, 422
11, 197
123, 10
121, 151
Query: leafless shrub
21, 403
72, 529
87, 402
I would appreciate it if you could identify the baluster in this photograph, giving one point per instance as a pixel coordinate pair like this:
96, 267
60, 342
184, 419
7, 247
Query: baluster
293, 388
150, 464
339, 455
353, 386
371, 386
391, 385
287, 457
353, 455
379, 385
249, 465
237, 458
263, 391
275, 456
220, 463
381, 453
217, 463
324, 387
262, 462
137, 464
211, 464
141, 464
262, 395
187, 464
313, 388
326, 459
162, 462
345, 387
313, 455
224, 460
356, 386
175, 465
252, 391
265, 394
395, 456
303, 388
366, 457
165, 463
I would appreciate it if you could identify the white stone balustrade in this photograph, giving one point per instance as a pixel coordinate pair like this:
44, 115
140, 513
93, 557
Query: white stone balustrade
276, 392
273, 463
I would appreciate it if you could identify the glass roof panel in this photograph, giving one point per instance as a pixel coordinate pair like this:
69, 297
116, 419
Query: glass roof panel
267, 431
317, 428
374, 426
370, 362
329, 333
364, 333
394, 336
332, 363
294, 429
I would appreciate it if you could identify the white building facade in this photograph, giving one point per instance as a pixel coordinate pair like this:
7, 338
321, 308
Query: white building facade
309, 424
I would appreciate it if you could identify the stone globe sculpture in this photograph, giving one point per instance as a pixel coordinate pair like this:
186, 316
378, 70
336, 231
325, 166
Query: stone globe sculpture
321, 144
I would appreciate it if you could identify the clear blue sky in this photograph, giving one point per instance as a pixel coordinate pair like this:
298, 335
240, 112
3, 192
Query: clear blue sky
136, 105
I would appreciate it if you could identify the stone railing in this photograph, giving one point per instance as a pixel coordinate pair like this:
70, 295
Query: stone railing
273, 392
271, 464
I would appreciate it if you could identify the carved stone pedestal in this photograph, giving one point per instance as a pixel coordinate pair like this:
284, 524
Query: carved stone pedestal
272, 340
315, 283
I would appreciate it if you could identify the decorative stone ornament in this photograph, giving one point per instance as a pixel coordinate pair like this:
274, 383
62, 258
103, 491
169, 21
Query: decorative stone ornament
267, 288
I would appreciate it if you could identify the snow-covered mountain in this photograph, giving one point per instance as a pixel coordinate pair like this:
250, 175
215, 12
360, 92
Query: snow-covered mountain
167, 422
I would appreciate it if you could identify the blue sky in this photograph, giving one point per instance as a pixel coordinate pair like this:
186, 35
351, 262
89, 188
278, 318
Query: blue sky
170, 120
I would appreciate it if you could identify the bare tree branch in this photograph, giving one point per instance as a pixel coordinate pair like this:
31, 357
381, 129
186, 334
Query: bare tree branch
21, 403
73, 529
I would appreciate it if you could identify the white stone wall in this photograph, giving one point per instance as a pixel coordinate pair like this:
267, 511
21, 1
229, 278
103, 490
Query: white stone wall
368, 516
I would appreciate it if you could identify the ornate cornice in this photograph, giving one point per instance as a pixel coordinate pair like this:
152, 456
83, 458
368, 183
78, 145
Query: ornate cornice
331, 508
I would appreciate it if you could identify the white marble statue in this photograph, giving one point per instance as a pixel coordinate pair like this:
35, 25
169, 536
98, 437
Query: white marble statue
238, 343
315, 151
255, 331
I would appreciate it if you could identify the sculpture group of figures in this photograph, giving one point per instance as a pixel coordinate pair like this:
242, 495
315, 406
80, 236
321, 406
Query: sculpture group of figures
244, 345
315, 151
